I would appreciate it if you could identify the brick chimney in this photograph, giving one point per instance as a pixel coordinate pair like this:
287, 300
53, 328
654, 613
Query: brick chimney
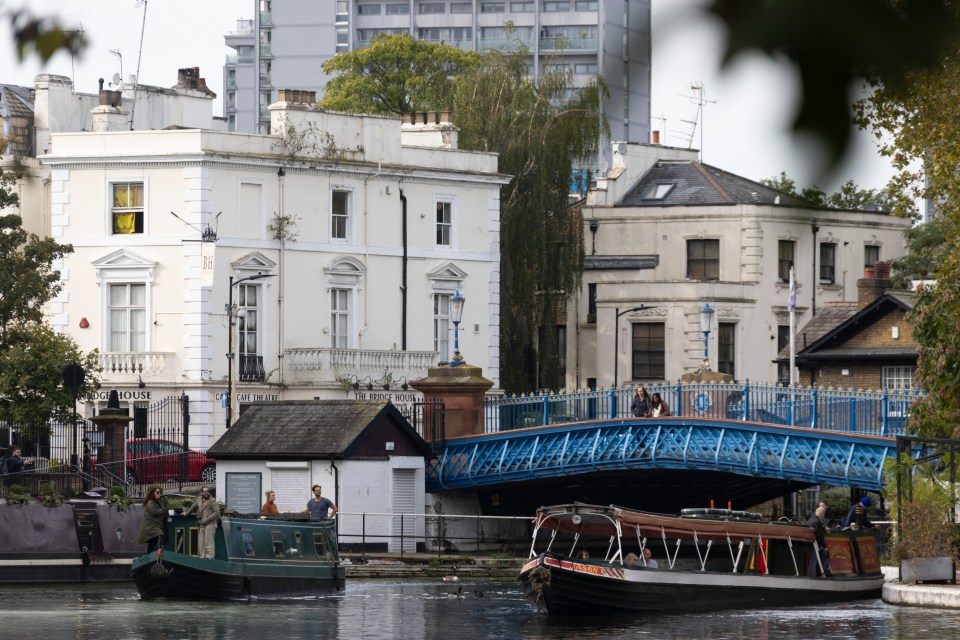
429, 129
875, 282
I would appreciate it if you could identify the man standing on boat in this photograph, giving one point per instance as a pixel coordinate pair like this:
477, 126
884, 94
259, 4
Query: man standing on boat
318, 506
857, 515
208, 514
816, 522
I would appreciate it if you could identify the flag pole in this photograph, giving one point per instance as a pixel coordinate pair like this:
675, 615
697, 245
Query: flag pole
793, 336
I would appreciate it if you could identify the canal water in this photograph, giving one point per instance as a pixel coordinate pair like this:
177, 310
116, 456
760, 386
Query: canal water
430, 609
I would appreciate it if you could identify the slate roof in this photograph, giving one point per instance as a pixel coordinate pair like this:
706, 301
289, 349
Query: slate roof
307, 429
824, 337
695, 183
828, 318
16, 101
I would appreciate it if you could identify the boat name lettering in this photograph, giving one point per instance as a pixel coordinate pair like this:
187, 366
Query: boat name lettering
127, 395
588, 569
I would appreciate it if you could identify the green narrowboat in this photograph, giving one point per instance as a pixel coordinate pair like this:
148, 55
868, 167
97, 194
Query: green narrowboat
256, 556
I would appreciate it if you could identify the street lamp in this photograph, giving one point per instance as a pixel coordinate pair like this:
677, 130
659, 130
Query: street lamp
616, 339
233, 283
456, 315
706, 322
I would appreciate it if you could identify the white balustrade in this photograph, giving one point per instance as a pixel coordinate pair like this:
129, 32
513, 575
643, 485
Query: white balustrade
315, 365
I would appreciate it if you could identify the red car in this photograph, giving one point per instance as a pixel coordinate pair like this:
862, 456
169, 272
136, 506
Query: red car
154, 460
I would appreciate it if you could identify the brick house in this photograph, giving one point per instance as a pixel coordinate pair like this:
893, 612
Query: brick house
866, 345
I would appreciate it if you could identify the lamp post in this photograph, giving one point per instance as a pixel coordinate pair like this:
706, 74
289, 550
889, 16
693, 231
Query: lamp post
230, 354
73, 376
616, 339
456, 315
706, 322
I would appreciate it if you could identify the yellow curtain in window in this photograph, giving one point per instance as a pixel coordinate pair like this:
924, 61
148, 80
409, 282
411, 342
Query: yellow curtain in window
124, 222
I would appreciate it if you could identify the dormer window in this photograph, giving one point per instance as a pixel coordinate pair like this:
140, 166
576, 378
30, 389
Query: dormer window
659, 191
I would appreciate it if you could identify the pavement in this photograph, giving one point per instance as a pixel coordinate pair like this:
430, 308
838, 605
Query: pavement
913, 594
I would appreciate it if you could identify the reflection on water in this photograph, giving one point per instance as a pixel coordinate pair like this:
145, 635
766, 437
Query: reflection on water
470, 609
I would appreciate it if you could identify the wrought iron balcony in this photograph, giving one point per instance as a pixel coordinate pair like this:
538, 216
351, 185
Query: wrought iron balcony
251, 369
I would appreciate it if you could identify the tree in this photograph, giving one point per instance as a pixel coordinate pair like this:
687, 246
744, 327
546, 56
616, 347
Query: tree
934, 319
917, 118
395, 74
926, 244
32, 355
540, 128
849, 196
32, 359
814, 195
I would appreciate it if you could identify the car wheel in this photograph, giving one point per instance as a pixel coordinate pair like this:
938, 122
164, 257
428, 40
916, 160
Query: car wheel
131, 479
208, 475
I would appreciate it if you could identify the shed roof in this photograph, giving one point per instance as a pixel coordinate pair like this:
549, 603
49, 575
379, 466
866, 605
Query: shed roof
310, 429
826, 336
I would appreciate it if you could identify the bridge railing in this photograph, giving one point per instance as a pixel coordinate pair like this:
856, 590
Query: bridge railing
875, 412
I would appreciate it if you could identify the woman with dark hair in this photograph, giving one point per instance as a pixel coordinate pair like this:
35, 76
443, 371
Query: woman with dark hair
641, 403
151, 529
658, 408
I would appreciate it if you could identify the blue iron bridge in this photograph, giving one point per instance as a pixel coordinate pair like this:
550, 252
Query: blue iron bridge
767, 435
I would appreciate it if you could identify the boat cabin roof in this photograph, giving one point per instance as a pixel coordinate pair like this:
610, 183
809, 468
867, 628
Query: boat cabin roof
712, 524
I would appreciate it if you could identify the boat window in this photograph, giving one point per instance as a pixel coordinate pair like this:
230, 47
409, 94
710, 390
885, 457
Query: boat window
194, 541
299, 538
320, 546
246, 537
178, 540
277, 543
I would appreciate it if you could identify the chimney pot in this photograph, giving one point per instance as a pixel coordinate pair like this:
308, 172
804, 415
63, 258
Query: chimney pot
656, 136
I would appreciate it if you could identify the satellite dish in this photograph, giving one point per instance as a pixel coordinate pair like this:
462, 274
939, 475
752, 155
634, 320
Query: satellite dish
116, 79
622, 148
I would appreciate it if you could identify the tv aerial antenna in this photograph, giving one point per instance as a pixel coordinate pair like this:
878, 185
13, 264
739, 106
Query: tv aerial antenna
698, 97
117, 77
78, 32
143, 28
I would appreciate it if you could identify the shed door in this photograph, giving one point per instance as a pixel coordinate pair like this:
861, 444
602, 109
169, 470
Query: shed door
292, 487
405, 502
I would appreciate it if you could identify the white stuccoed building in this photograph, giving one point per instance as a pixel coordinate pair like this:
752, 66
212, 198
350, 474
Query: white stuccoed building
344, 237
664, 232
30, 115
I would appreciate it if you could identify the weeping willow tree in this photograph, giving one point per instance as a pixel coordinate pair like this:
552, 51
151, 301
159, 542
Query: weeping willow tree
541, 128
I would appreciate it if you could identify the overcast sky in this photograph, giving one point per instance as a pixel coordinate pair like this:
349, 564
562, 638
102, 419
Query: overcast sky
745, 131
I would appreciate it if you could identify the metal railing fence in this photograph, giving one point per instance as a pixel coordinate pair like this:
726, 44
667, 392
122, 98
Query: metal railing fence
440, 534
872, 412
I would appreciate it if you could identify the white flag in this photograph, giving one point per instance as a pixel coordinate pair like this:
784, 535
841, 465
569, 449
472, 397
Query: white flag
792, 300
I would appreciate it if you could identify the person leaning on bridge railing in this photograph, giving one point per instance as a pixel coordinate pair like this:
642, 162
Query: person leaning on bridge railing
658, 407
641, 403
